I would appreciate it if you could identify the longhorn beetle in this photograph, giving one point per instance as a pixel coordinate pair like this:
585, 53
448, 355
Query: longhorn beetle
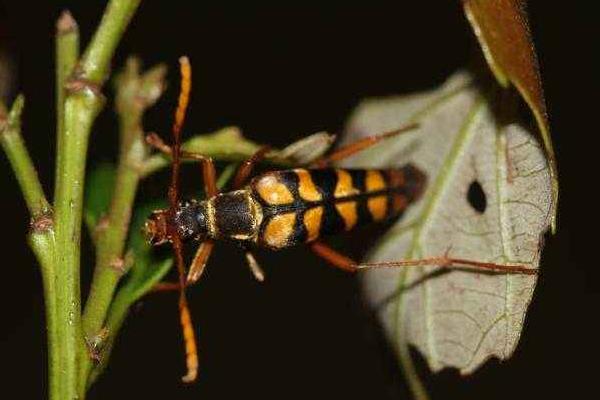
280, 209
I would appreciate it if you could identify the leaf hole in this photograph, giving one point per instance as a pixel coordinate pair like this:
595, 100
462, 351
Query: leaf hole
476, 197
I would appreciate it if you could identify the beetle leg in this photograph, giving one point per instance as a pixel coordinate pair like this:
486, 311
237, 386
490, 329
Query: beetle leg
333, 257
357, 146
455, 263
347, 264
246, 168
207, 165
209, 176
199, 262
255, 268
166, 287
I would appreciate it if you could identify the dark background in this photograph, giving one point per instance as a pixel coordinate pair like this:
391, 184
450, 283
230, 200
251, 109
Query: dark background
281, 72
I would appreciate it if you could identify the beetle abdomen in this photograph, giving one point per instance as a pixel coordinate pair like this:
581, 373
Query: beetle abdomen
301, 205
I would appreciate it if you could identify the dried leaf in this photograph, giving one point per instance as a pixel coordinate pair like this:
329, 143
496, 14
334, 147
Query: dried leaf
502, 28
457, 318
305, 150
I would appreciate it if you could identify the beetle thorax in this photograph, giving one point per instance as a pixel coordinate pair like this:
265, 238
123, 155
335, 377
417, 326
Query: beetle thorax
233, 215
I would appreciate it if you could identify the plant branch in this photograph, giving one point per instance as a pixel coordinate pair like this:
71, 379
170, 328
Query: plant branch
135, 94
95, 62
67, 53
41, 237
82, 103
81, 108
127, 295
14, 147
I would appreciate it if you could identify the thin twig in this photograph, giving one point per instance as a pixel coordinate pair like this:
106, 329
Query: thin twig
16, 151
95, 62
41, 237
135, 94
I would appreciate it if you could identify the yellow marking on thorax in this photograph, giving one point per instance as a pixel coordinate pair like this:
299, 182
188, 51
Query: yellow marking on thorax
377, 205
279, 229
306, 187
210, 218
257, 213
312, 223
272, 191
347, 210
344, 186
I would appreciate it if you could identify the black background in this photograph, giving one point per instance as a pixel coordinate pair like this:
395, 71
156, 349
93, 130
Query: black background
281, 72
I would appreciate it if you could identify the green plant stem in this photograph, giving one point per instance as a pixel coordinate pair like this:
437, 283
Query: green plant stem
111, 240
82, 104
43, 244
16, 151
417, 389
118, 312
67, 53
226, 175
125, 298
41, 237
95, 62
81, 108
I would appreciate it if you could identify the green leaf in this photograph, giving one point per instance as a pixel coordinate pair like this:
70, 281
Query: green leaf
98, 193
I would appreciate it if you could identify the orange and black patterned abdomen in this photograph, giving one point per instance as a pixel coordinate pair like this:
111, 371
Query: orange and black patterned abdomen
301, 205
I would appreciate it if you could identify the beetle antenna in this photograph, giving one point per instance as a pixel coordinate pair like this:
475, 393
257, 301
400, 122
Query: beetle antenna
189, 337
